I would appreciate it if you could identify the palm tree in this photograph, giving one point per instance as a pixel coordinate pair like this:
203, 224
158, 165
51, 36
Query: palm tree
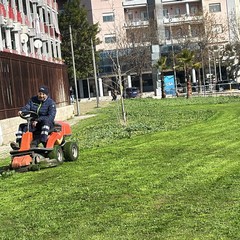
161, 66
185, 59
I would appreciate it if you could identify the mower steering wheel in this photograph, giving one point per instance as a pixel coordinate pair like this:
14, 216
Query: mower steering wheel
29, 115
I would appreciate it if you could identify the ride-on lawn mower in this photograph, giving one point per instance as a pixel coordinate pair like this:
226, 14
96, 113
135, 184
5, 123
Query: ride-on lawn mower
32, 156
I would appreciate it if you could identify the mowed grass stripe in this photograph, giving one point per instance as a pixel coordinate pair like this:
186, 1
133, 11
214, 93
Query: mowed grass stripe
176, 182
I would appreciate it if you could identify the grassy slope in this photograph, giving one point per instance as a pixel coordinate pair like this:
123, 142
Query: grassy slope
180, 180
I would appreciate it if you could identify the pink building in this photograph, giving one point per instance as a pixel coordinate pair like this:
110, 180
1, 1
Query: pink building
115, 16
176, 21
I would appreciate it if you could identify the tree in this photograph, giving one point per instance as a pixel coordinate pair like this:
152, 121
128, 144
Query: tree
205, 31
231, 52
231, 56
75, 15
138, 41
132, 49
185, 59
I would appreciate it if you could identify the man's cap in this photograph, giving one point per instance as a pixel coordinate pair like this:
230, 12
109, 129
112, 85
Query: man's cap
43, 89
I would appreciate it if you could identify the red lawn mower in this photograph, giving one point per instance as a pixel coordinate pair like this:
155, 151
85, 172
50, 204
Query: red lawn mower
30, 156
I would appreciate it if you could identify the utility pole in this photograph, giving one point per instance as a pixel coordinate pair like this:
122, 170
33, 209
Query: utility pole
173, 53
74, 71
95, 72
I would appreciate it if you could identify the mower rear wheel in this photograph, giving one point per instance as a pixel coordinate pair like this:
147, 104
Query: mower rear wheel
71, 151
56, 153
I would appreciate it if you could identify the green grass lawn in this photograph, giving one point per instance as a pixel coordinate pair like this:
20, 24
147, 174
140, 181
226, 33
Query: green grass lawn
172, 173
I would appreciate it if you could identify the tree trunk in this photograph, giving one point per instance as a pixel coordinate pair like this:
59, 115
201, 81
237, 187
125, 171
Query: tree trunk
199, 82
141, 83
163, 89
189, 88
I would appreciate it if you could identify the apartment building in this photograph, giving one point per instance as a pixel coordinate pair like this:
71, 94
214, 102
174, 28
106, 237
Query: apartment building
173, 17
177, 21
117, 21
30, 28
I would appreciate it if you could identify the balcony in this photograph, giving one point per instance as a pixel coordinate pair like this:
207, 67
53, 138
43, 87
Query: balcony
2, 20
137, 23
175, 41
134, 3
176, 1
16, 27
182, 18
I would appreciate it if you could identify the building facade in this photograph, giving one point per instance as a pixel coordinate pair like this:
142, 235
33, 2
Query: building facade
177, 22
184, 17
30, 54
30, 28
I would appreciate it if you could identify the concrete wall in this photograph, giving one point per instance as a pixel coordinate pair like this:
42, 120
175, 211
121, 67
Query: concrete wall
8, 127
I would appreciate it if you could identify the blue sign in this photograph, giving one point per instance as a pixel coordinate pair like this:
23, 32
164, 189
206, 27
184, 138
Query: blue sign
169, 85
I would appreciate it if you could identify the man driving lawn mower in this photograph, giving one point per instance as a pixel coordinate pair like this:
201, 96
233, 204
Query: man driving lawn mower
45, 108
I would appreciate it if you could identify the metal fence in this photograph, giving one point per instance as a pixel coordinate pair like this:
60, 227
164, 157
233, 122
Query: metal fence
20, 78
226, 89
212, 89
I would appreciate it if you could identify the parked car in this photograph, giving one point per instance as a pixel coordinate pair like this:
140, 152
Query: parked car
131, 92
181, 88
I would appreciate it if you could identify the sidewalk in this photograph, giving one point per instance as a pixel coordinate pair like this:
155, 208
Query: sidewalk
85, 107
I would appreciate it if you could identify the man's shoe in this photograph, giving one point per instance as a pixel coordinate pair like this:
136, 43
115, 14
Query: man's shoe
44, 144
14, 146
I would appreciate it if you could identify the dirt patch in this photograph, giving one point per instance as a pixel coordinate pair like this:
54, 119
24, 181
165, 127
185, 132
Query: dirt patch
88, 106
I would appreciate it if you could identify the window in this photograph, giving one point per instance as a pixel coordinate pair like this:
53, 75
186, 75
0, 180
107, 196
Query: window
179, 33
165, 12
3, 37
167, 34
218, 28
177, 11
144, 15
13, 40
215, 7
24, 7
110, 38
108, 17
17, 4
130, 16
194, 32
193, 10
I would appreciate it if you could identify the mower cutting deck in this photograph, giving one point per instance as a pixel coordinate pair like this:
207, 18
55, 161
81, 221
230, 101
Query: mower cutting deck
32, 156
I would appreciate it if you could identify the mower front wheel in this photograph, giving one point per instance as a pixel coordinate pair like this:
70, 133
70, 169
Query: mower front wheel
56, 153
71, 151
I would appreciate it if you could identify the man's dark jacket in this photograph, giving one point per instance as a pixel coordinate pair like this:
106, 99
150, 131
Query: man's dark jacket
46, 110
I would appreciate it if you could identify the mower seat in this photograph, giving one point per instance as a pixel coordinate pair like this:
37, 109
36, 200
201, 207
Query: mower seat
56, 128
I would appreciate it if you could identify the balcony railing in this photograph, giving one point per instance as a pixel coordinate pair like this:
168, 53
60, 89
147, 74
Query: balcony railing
137, 23
182, 18
127, 3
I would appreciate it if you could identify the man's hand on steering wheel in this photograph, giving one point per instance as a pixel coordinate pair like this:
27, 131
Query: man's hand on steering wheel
28, 115
34, 123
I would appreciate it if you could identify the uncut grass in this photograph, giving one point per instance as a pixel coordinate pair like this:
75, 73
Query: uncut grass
176, 182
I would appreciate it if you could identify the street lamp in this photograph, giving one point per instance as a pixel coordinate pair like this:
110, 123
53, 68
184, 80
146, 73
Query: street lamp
74, 71
201, 45
95, 72
173, 54
219, 65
